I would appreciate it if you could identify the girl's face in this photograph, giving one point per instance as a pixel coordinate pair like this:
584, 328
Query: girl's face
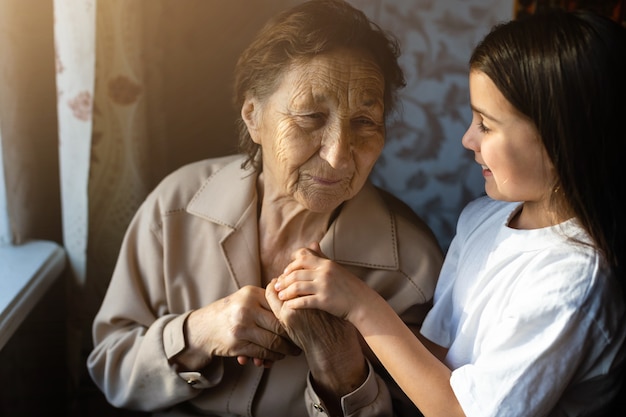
321, 131
507, 145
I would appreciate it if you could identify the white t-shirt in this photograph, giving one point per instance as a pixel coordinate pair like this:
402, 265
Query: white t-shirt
533, 322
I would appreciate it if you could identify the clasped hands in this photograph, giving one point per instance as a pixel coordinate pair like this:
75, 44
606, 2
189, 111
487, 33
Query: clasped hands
256, 324
260, 325
313, 331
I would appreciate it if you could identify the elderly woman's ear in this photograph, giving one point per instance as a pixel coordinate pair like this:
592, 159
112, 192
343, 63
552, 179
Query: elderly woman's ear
251, 113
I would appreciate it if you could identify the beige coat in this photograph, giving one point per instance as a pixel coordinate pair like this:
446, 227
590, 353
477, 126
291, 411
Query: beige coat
194, 241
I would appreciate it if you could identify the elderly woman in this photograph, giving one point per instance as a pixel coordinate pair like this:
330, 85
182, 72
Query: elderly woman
185, 328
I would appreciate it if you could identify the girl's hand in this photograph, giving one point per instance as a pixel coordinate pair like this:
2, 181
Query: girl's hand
313, 281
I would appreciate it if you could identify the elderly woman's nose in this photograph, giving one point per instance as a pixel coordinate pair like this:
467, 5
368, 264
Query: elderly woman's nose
337, 146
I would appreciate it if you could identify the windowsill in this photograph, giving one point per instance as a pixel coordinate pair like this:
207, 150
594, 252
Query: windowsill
26, 273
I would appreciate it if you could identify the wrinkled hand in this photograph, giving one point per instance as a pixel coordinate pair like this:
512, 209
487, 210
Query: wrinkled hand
239, 325
331, 344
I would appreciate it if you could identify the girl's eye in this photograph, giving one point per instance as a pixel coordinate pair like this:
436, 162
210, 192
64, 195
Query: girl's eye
482, 128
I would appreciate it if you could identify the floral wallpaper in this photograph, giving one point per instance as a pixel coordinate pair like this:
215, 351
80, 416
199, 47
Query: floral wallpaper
424, 162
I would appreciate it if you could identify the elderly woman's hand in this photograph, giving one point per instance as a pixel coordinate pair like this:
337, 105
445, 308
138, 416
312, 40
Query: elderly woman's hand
239, 325
331, 345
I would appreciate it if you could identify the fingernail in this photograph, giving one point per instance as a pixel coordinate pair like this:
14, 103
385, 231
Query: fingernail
277, 286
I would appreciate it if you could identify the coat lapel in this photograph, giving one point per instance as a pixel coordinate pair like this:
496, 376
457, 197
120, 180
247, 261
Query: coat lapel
237, 214
364, 233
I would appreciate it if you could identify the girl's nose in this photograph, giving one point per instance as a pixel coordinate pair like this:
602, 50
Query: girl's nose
469, 140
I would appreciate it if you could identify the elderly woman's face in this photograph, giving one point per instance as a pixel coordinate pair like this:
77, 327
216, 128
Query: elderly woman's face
322, 130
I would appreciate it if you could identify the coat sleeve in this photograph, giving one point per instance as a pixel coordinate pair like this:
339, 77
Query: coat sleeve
134, 334
371, 399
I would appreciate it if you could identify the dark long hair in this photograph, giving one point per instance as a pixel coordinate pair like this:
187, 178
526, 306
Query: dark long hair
308, 29
566, 71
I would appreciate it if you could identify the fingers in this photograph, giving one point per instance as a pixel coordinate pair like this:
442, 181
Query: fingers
305, 258
267, 318
263, 348
271, 295
242, 325
270, 334
299, 278
287, 299
315, 247
295, 286
265, 363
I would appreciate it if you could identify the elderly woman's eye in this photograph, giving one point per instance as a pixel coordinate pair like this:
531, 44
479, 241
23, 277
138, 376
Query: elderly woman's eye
312, 120
366, 122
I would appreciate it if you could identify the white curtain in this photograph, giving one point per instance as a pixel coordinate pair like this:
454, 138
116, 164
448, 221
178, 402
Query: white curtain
74, 38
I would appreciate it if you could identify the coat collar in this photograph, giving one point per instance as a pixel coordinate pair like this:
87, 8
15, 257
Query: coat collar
225, 195
364, 233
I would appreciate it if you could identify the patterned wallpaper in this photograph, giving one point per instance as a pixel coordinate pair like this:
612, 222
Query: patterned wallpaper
424, 162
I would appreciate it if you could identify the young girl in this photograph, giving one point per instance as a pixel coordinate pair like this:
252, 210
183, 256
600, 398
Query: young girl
528, 316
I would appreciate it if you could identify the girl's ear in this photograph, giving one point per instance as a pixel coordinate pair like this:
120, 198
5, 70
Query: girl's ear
251, 114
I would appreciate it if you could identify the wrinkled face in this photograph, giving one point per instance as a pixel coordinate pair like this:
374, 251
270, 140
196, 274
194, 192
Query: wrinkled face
507, 145
321, 131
